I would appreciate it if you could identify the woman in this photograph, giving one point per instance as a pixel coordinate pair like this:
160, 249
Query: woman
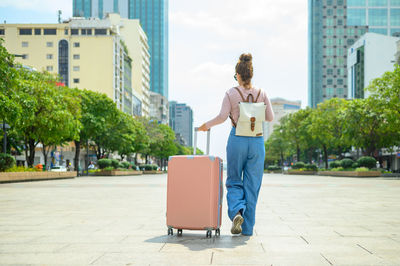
245, 155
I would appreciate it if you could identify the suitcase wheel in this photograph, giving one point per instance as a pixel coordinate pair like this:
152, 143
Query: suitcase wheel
179, 232
209, 233
170, 231
217, 232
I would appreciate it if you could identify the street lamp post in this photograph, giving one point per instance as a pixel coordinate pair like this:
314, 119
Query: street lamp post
5, 127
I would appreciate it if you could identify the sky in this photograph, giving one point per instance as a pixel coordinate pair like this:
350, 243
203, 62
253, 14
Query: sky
206, 39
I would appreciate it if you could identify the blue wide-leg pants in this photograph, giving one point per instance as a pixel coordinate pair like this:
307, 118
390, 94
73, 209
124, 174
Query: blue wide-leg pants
245, 158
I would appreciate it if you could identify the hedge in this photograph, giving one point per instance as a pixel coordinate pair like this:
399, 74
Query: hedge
346, 163
367, 161
115, 163
335, 164
274, 168
299, 165
125, 165
104, 163
148, 167
6, 161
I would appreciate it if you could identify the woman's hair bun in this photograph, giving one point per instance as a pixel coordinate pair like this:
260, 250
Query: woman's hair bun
246, 57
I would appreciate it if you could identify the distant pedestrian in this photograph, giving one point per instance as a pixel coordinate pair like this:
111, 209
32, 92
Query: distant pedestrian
245, 153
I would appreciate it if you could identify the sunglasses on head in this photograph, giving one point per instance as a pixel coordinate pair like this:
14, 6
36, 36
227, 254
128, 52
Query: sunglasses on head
235, 76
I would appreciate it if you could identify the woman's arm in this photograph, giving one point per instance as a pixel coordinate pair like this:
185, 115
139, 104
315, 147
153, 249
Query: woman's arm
269, 113
221, 117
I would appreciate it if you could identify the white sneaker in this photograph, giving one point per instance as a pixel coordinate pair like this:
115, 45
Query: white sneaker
237, 224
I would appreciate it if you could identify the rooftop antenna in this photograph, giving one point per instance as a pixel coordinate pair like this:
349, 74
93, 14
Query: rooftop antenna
59, 16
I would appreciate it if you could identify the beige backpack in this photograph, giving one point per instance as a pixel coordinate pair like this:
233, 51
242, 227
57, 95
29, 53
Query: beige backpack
251, 116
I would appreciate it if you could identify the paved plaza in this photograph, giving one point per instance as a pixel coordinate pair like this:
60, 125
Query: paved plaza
301, 220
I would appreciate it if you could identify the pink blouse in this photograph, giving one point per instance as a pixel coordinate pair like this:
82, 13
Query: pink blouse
230, 105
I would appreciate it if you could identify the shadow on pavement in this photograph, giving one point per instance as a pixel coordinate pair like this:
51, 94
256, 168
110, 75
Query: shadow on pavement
199, 242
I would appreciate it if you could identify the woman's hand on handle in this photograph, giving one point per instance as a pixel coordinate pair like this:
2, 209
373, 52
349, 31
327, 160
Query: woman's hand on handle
203, 127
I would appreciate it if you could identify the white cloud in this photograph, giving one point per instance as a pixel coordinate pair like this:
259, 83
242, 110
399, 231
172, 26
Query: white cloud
206, 40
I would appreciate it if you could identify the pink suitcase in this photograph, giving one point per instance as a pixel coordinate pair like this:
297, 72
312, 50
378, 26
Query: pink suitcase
194, 192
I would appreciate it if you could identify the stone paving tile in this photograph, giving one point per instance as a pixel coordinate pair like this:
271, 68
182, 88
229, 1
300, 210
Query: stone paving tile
301, 220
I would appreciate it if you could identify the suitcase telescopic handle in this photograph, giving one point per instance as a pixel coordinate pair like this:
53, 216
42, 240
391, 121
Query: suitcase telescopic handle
196, 129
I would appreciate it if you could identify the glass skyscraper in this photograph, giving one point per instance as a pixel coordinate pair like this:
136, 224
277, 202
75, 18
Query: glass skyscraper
334, 25
153, 16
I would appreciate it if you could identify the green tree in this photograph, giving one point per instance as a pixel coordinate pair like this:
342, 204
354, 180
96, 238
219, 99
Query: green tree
367, 127
328, 126
276, 147
98, 115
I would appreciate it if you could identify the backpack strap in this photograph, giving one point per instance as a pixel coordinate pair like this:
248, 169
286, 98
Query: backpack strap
258, 95
241, 95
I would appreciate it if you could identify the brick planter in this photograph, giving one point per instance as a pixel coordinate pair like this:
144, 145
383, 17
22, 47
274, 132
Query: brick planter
152, 172
33, 176
297, 172
350, 173
117, 173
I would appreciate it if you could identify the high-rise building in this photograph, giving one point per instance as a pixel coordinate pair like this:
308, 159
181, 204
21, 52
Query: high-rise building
181, 121
159, 108
334, 25
281, 108
88, 54
153, 16
368, 58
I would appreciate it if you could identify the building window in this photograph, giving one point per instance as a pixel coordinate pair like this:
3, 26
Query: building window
339, 91
83, 31
74, 31
329, 2
395, 2
329, 71
377, 2
2, 32
395, 17
395, 32
339, 51
77, 56
339, 2
350, 42
377, 16
66, 32
355, 2
25, 31
361, 31
24, 44
49, 44
350, 32
76, 68
339, 61
49, 68
340, 12
100, 31
329, 32
329, 81
339, 41
329, 12
340, 81
340, 71
329, 41
89, 32
340, 32
356, 17
76, 44
50, 31
49, 56
329, 22
76, 80
340, 22
378, 30
329, 51
329, 61
38, 31
63, 61
329, 91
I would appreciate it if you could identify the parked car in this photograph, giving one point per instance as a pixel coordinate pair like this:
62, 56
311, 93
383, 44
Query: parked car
58, 169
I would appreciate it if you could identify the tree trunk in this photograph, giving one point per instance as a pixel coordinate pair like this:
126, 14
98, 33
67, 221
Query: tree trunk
45, 153
77, 154
31, 156
298, 153
147, 159
281, 158
325, 157
136, 155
